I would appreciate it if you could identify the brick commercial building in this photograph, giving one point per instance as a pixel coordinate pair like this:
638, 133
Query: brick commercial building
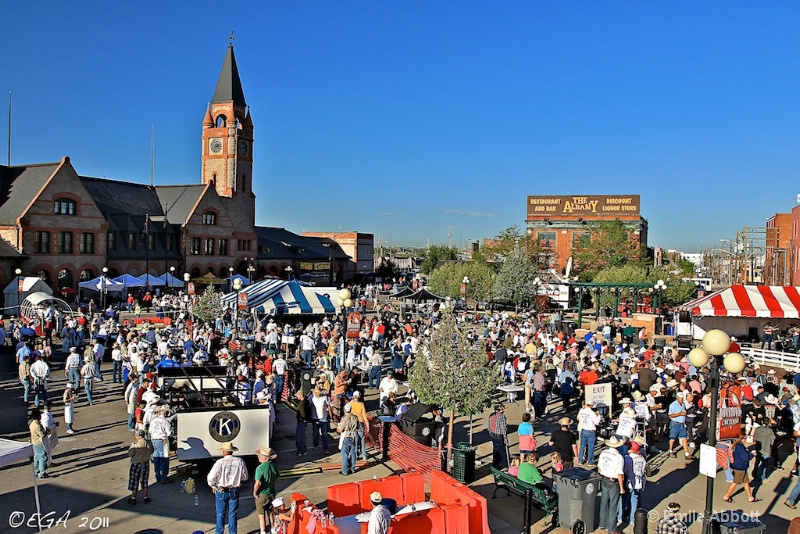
66, 228
559, 223
358, 246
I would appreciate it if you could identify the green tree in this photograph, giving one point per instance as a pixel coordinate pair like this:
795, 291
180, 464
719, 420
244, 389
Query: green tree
446, 280
435, 254
514, 283
387, 269
455, 375
611, 245
503, 245
209, 307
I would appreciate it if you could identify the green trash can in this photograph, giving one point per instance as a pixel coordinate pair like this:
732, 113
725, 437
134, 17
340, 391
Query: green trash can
464, 462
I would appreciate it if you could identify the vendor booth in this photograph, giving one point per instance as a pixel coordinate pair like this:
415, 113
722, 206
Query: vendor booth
281, 297
740, 310
19, 288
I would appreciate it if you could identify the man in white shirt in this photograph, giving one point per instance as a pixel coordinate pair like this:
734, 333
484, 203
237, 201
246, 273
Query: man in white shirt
72, 367
612, 485
39, 373
388, 385
380, 517
375, 362
224, 479
116, 357
307, 348
319, 417
160, 430
588, 420
279, 367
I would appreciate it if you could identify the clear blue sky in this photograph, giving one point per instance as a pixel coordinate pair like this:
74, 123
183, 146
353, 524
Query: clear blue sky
405, 118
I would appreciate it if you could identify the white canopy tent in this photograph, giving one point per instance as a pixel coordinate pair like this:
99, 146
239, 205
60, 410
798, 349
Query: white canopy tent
15, 292
16, 451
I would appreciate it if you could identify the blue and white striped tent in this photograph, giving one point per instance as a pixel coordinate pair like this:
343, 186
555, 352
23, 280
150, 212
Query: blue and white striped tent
279, 296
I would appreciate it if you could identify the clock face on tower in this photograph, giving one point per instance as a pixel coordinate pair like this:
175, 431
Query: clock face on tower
243, 148
215, 146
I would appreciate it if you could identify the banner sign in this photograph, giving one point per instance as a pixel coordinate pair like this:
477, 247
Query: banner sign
306, 266
242, 300
582, 206
190, 288
598, 393
322, 266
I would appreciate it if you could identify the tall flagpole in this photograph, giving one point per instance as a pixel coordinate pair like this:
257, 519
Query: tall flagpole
9, 127
152, 155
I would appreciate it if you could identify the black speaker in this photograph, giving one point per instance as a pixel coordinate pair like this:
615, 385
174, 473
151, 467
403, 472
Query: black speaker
249, 345
306, 373
684, 317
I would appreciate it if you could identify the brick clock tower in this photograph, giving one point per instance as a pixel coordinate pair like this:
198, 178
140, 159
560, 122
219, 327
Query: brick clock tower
228, 146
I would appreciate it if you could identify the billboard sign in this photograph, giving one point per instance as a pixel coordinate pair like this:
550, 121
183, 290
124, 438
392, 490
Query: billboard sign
584, 206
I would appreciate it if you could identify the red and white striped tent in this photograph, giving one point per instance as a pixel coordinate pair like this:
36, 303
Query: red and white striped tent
768, 302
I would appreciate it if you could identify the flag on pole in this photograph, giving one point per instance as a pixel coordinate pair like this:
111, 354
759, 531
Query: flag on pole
143, 238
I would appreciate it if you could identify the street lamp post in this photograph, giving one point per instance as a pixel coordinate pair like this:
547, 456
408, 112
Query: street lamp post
186, 278
658, 289
464, 284
250, 270
171, 277
18, 272
237, 286
715, 344
104, 281
230, 278
288, 272
537, 283
344, 302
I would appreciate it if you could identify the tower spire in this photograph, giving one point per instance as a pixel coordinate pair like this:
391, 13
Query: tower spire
229, 86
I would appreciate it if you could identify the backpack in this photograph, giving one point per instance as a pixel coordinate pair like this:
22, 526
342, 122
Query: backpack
639, 472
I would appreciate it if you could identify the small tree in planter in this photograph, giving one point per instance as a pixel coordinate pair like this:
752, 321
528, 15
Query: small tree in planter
455, 376
209, 306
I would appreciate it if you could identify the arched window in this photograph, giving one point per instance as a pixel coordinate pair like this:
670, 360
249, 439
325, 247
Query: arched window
86, 274
64, 206
221, 120
65, 278
43, 275
195, 273
210, 217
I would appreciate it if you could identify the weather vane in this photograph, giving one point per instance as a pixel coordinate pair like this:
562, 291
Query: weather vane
230, 38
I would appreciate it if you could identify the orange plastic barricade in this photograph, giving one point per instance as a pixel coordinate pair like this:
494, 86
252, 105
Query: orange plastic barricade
294, 524
447, 490
457, 519
430, 521
413, 487
390, 487
344, 499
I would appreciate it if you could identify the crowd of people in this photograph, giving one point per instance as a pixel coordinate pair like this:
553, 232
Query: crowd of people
659, 401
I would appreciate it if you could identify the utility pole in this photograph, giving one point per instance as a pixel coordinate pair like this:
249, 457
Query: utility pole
450, 236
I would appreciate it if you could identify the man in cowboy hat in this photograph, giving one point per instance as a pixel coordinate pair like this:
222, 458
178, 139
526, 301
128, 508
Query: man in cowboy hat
611, 466
380, 518
677, 425
563, 442
588, 419
224, 479
264, 487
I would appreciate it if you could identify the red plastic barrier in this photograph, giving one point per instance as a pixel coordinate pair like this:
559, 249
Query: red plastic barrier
344, 499
429, 521
413, 487
295, 523
390, 488
457, 519
446, 490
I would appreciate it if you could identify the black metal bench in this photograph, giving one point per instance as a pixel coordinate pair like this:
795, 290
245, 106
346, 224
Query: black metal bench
537, 495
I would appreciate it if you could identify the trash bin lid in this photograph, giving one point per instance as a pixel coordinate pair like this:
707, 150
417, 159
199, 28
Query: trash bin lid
415, 412
743, 525
386, 419
577, 474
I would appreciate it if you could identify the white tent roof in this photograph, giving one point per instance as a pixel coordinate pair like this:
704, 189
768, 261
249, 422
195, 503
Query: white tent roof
13, 451
29, 283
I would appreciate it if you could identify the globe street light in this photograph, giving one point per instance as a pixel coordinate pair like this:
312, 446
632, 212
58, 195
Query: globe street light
344, 302
18, 272
237, 286
715, 344
104, 287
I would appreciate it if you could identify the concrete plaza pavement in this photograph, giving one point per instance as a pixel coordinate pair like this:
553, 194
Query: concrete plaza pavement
89, 484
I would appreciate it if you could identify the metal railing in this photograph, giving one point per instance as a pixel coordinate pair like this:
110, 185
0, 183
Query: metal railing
785, 360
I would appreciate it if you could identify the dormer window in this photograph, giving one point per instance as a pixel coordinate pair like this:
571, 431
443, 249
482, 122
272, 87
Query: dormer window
210, 218
64, 206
